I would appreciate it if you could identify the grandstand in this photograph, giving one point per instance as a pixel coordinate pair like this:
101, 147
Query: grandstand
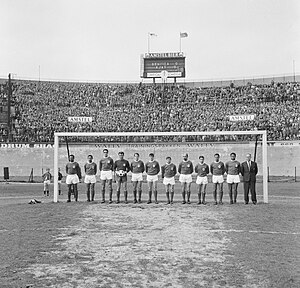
41, 108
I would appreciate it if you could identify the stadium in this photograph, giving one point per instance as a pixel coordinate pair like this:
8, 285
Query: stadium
157, 179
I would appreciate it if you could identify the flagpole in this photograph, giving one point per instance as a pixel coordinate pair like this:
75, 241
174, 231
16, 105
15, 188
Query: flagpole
179, 42
182, 35
150, 34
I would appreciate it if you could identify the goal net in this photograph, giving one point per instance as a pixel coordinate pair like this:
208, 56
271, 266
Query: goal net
164, 144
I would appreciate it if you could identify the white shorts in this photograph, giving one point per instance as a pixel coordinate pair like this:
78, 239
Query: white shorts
88, 179
201, 180
185, 178
137, 177
233, 179
168, 181
152, 178
106, 175
72, 179
46, 183
217, 179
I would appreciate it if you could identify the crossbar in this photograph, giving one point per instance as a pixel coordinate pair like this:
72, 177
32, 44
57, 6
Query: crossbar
188, 133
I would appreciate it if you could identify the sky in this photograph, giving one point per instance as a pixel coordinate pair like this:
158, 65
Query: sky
101, 40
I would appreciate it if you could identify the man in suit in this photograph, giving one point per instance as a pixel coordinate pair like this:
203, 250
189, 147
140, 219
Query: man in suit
249, 171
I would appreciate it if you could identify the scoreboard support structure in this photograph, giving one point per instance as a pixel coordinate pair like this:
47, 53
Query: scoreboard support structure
175, 80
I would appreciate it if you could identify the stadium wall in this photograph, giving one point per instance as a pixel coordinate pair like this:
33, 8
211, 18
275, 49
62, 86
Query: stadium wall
243, 82
283, 157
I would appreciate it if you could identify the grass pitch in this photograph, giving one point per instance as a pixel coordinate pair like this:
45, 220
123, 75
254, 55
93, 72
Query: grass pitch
138, 245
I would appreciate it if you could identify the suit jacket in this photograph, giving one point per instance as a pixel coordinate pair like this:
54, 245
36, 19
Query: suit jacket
249, 175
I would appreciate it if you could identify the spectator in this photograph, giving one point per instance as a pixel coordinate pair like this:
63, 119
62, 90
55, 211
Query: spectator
41, 108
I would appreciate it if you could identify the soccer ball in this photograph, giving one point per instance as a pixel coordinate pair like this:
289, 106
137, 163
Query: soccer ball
121, 172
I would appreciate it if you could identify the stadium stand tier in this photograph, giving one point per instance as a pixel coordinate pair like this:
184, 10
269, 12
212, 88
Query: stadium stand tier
42, 108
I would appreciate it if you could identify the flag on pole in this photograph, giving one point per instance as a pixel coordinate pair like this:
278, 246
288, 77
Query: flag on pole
153, 34
183, 34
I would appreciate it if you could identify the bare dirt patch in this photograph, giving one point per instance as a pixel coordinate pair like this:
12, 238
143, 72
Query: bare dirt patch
140, 246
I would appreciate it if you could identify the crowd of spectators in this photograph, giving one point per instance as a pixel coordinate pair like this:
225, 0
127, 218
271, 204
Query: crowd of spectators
42, 108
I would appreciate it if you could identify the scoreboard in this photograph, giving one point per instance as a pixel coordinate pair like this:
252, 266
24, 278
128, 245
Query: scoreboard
159, 65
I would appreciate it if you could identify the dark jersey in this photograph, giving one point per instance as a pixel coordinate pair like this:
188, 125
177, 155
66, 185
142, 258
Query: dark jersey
202, 169
90, 168
168, 170
152, 167
47, 176
217, 168
122, 165
185, 167
137, 166
106, 164
73, 168
233, 167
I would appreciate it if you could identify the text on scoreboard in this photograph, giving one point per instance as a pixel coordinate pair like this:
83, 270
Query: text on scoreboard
153, 65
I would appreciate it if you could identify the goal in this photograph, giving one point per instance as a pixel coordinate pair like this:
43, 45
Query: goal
262, 134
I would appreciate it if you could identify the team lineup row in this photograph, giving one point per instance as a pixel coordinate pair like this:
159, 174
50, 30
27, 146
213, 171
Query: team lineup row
119, 168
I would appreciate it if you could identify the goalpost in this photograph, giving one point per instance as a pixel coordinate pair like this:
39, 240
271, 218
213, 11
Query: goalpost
263, 133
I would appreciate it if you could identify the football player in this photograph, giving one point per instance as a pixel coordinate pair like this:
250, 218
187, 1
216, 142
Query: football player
121, 168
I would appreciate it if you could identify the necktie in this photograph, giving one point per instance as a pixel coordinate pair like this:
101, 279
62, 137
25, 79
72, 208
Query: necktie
249, 163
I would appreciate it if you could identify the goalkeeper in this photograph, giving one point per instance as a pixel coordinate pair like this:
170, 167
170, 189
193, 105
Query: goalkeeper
121, 168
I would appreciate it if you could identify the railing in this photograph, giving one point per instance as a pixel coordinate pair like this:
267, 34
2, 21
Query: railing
219, 82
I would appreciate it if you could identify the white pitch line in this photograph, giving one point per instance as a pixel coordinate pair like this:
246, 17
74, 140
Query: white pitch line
213, 230
24, 197
29, 196
289, 197
254, 231
21, 183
